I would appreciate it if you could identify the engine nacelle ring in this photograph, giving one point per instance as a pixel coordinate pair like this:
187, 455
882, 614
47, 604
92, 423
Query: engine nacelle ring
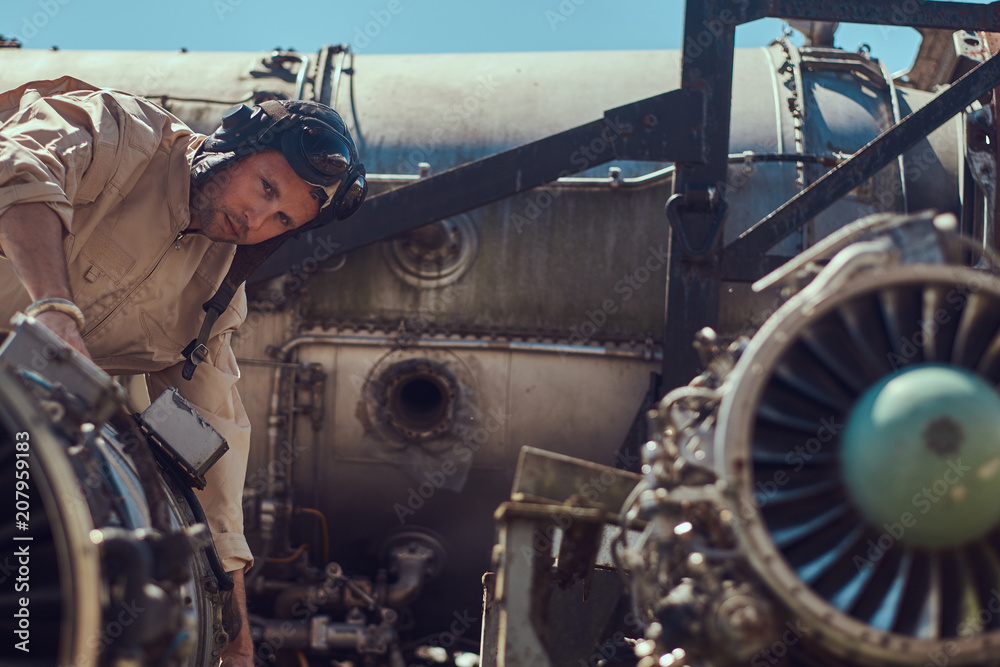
821, 349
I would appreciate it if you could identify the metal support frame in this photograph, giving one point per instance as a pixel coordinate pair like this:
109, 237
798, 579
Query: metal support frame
699, 116
696, 269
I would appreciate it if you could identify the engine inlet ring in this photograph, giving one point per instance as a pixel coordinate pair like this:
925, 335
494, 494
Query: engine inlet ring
816, 354
416, 399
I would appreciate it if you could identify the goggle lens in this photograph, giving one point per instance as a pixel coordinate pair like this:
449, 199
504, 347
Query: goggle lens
326, 152
353, 198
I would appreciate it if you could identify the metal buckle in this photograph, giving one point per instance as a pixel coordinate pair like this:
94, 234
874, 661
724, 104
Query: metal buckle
199, 354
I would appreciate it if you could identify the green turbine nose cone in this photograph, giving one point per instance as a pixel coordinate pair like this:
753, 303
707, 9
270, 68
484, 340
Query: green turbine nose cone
920, 456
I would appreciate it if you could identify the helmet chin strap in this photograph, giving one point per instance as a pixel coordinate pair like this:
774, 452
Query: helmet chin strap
325, 193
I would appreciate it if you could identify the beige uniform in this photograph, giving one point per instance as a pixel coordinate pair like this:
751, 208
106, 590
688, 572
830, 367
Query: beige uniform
116, 170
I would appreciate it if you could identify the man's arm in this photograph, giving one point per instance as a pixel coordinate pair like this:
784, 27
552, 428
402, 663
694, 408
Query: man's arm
239, 653
31, 238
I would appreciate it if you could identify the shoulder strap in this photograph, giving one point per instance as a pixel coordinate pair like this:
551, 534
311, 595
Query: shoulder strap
245, 262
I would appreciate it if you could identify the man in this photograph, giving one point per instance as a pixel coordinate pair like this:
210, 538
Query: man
129, 236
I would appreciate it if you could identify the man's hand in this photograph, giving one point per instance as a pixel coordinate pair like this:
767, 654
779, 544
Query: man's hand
239, 653
31, 236
66, 328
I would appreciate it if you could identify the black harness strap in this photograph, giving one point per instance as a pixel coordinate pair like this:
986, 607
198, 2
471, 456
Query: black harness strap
246, 260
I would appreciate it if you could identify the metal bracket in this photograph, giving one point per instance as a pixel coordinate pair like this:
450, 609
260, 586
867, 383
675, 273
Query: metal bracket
684, 222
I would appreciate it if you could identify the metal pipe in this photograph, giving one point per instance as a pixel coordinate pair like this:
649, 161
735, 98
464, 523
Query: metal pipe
273, 419
337, 74
896, 117
300, 79
390, 342
284, 633
779, 134
411, 567
837, 182
295, 598
317, 635
652, 177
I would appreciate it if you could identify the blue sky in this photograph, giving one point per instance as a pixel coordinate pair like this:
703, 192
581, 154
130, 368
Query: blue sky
390, 26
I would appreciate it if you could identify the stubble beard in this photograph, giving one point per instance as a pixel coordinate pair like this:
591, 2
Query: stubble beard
212, 220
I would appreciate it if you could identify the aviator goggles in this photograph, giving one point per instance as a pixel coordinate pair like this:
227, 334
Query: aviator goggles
323, 157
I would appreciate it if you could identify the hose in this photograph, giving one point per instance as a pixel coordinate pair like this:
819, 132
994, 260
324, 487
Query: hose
221, 576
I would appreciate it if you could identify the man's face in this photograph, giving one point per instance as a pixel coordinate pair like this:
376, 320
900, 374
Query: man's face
255, 199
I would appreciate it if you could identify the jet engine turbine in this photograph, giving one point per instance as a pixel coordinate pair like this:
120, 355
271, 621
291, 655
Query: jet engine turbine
829, 488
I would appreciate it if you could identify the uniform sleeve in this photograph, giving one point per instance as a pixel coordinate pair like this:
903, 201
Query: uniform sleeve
48, 146
213, 392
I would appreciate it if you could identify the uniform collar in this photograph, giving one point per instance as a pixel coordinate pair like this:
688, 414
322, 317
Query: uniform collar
179, 180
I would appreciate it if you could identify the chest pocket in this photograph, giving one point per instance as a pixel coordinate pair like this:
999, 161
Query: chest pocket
106, 259
101, 275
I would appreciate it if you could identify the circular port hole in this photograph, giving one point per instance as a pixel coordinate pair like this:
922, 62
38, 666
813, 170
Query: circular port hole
417, 399
419, 402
